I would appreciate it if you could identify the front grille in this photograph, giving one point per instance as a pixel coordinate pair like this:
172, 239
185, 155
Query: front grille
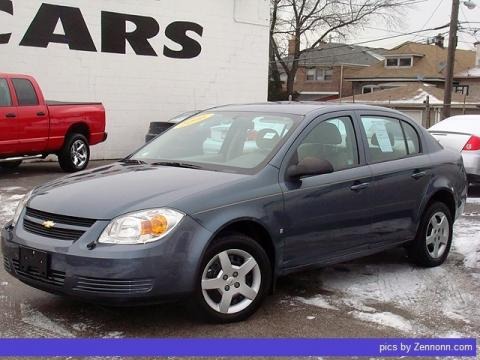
55, 233
66, 227
55, 278
6, 264
61, 219
114, 287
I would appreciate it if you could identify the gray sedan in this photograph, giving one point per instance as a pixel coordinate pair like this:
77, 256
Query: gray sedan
225, 202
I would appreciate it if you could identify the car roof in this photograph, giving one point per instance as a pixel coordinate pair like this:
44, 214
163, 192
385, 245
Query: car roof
297, 108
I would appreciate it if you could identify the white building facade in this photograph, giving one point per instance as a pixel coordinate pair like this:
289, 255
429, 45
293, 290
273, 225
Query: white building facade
144, 60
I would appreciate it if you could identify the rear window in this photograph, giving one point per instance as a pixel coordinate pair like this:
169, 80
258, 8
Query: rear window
5, 98
25, 92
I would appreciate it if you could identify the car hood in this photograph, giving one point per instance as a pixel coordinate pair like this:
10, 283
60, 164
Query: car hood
116, 189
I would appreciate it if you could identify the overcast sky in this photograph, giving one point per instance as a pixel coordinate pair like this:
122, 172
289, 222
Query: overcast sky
419, 17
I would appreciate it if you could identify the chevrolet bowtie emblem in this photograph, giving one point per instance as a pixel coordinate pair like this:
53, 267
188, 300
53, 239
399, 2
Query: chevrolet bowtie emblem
48, 224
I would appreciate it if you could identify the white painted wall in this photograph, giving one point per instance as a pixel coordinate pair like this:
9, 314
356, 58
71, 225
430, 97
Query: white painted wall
232, 67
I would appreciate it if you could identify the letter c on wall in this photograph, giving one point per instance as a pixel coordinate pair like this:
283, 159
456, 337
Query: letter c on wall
6, 6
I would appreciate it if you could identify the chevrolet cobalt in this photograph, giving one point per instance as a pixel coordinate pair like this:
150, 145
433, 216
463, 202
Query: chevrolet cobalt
228, 200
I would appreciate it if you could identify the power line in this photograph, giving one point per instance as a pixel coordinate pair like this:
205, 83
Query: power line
432, 15
375, 40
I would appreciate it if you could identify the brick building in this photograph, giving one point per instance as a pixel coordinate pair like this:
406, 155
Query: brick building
322, 70
468, 82
409, 63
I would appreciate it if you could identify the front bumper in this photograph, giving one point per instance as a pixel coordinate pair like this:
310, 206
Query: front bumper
111, 274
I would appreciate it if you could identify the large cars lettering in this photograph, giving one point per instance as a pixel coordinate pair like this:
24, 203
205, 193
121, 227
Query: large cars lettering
114, 35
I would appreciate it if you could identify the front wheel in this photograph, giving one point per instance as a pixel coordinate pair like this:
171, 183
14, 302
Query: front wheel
234, 280
75, 154
434, 238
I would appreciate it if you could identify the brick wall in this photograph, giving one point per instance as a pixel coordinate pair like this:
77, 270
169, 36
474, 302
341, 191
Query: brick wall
232, 67
333, 85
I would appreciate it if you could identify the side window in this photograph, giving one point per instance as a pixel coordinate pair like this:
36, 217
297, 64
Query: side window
413, 141
385, 138
25, 92
5, 98
332, 140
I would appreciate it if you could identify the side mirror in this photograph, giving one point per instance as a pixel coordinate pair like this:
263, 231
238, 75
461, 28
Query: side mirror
309, 166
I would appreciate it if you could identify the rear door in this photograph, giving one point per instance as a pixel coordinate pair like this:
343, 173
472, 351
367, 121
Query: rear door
32, 114
8, 121
327, 216
401, 171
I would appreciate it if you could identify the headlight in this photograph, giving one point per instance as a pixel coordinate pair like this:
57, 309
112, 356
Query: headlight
20, 207
141, 227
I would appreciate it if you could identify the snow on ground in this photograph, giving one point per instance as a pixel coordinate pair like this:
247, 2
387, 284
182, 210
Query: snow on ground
9, 198
387, 290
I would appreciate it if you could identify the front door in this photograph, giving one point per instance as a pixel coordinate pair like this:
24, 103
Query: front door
327, 216
33, 122
8, 121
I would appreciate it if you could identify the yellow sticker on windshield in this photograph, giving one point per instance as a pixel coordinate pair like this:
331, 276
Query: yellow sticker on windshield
194, 120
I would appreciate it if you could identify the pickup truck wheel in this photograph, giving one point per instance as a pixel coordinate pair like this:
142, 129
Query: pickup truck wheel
10, 165
75, 154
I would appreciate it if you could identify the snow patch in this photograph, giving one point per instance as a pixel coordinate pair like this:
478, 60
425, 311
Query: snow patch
114, 335
311, 317
317, 301
3, 283
36, 319
385, 319
473, 201
466, 243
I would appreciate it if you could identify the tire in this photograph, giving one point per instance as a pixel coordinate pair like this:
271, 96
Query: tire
11, 165
207, 299
75, 153
432, 244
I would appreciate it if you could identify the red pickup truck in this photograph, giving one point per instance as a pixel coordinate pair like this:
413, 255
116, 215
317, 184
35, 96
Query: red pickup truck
31, 127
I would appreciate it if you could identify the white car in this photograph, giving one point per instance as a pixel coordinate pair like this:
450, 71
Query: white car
462, 133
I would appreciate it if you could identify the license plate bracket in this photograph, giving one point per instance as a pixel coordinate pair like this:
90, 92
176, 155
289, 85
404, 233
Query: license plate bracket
34, 261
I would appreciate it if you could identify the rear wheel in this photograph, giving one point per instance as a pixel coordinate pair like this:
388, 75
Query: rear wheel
10, 165
434, 238
234, 280
75, 153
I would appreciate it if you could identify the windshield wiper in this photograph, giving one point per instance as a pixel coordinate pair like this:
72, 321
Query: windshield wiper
176, 164
133, 161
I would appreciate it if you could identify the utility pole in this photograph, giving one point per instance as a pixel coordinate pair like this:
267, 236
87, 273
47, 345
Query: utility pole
452, 45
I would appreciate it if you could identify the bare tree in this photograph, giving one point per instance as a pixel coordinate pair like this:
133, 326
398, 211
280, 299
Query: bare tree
308, 23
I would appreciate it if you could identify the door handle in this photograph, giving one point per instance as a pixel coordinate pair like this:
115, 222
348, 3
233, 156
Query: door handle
419, 174
359, 187
41, 113
10, 115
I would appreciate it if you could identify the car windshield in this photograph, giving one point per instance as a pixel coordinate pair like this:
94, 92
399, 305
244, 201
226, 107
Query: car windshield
220, 141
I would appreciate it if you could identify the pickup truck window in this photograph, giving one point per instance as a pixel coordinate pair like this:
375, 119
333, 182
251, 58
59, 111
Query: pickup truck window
25, 92
5, 98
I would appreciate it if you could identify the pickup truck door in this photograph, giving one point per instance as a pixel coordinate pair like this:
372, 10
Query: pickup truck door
32, 117
8, 123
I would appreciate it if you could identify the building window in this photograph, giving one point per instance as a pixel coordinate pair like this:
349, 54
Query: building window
392, 62
367, 89
319, 74
311, 74
399, 62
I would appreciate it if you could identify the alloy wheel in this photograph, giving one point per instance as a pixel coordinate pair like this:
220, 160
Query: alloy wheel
438, 232
231, 281
79, 153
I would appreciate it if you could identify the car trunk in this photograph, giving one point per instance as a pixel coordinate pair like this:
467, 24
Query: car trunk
451, 140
